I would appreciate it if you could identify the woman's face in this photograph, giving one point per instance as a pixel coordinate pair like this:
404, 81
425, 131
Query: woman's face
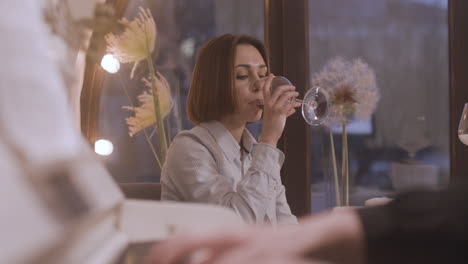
249, 67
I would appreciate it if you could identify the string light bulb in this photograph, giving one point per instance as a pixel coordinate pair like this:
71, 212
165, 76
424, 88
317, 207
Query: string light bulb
110, 63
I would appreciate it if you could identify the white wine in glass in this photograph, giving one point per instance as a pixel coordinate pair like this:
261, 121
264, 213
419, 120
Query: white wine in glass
315, 104
463, 126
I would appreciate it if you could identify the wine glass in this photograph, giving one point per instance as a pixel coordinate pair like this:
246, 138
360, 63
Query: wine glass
315, 104
414, 133
463, 126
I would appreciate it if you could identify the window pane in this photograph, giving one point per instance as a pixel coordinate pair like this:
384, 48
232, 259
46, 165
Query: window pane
406, 142
183, 26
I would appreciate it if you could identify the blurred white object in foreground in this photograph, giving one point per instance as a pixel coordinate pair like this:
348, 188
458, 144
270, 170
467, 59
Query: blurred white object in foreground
58, 203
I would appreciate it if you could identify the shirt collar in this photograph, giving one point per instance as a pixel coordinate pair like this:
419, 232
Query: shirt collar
226, 141
248, 141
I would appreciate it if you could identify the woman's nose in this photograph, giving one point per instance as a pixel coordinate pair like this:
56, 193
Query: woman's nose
258, 85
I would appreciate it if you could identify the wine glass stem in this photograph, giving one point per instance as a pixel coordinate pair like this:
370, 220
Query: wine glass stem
298, 100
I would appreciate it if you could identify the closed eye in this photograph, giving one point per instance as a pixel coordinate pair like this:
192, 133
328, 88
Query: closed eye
242, 77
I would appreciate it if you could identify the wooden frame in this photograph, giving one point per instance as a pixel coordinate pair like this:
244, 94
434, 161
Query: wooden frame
458, 45
286, 37
92, 84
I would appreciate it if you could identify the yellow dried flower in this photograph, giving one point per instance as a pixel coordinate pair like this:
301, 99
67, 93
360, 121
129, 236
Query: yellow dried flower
144, 114
136, 42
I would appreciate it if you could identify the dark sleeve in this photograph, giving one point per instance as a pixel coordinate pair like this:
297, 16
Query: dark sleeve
419, 227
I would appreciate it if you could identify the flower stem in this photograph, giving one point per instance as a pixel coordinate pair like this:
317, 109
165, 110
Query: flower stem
157, 111
335, 173
148, 139
344, 166
152, 148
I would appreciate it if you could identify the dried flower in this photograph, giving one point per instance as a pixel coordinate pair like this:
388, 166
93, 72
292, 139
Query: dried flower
365, 84
144, 114
136, 42
353, 90
344, 102
352, 86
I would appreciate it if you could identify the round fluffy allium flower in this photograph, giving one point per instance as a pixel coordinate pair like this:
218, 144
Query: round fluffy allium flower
352, 87
144, 114
136, 42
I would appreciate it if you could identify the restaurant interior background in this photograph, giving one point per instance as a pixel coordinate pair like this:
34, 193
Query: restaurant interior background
406, 142
61, 204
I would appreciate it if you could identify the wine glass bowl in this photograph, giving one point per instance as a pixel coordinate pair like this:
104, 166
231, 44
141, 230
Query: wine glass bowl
278, 81
315, 104
463, 126
414, 133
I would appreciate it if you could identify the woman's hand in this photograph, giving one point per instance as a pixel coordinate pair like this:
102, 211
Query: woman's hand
278, 105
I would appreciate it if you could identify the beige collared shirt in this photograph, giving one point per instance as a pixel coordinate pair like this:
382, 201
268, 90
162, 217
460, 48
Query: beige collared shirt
205, 165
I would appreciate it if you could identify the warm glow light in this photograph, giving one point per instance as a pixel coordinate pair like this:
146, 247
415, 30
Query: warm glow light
110, 63
188, 47
103, 147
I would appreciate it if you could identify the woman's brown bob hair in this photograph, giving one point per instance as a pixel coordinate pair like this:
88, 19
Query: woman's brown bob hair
211, 95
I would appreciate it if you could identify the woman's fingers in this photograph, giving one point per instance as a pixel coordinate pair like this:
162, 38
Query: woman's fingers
290, 112
272, 98
267, 86
286, 100
279, 91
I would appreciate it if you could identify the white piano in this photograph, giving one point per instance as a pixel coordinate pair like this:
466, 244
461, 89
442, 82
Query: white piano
58, 204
